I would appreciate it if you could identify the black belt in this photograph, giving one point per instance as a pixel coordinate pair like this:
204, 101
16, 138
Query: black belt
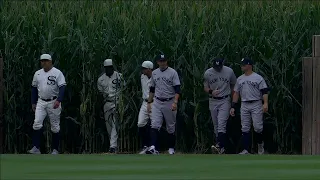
223, 97
251, 101
146, 100
47, 100
164, 99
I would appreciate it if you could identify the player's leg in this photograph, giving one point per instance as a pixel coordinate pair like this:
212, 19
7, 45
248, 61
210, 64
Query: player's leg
170, 118
214, 116
223, 116
245, 126
143, 127
257, 119
54, 116
110, 120
40, 115
156, 123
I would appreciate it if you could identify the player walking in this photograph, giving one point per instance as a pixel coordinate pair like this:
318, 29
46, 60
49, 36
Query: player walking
218, 82
110, 84
144, 115
253, 89
48, 87
165, 87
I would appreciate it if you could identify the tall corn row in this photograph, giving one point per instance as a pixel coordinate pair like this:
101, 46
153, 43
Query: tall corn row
80, 35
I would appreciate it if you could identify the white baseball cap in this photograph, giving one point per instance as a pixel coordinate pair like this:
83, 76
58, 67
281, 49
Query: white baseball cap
45, 56
147, 64
107, 62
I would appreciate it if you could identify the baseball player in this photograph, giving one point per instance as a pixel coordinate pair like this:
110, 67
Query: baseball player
253, 89
144, 115
219, 80
165, 88
48, 87
110, 84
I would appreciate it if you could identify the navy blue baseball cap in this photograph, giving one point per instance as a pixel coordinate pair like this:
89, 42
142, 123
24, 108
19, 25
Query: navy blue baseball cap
218, 62
161, 57
246, 61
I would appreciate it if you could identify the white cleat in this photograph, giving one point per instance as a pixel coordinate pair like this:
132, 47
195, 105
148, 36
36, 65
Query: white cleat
261, 148
244, 152
55, 152
215, 148
171, 151
34, 150
144, 150
152, 150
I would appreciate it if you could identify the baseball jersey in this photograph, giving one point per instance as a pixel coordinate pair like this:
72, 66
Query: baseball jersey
145, 84
220, 80
249, 87
110, 86
48, 83
164, 82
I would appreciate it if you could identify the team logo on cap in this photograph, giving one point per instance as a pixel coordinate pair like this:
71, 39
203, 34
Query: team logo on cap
217, 63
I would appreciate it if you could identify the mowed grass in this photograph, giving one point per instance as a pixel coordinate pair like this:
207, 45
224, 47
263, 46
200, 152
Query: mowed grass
143, 167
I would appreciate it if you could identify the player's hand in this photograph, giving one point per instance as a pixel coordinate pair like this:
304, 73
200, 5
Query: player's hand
174, 107
215, 93
265, 107
232, 112
149, 107
34, 107
56, 104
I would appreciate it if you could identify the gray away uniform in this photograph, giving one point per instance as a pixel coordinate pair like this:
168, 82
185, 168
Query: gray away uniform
220, 106
164, 82
249, 88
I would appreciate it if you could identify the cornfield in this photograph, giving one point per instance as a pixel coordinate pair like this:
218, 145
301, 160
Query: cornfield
81, 35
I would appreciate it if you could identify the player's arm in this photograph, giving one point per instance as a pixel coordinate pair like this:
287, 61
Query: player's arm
152, 90
235, 96
177, 87
34, 90
62, 86
264, 91
206, 87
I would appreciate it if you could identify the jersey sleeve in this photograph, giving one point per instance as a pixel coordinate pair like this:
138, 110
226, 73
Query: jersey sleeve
262, 84
34, 80
61, 81
205, 81
176, 80
237, 86
152, 83
233, 79
99, 86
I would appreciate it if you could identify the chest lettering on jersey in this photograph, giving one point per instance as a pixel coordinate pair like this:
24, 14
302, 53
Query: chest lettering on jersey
51, 80
116, 83
219, 79
163, 79
250, 84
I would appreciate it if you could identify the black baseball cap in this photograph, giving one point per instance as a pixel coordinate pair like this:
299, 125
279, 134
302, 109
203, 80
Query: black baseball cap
246, 61
161, 57
218, 62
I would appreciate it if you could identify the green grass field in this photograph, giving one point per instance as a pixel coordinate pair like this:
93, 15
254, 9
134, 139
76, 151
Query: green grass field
147, 167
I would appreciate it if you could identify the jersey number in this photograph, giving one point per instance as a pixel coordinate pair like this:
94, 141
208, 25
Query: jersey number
51, 80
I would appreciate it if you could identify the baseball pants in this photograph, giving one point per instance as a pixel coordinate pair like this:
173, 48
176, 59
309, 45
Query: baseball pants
43, 109
111, 120
162, 110
143, 125
251, 111
220, 112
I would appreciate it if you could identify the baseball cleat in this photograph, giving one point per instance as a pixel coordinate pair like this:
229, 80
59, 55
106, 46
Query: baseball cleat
215, 149
34, 150
112, 150
222, 151
55, 152
152, 150
144, 150
244, 152
261, 148
171, 151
